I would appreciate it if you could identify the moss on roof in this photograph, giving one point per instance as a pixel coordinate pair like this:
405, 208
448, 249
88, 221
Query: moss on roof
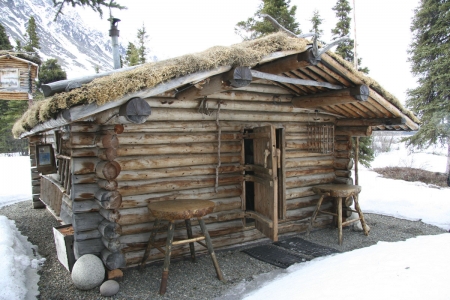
112, 87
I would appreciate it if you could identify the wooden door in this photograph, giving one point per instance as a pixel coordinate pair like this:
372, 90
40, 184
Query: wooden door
264, 176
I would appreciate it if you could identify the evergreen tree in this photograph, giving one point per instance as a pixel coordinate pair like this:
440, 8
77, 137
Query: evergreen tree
345, 48
96, 5
132, 55
142, 40
277, 9
10, 111
18, 47
429, 55
316, 21
31, 36
51, 71
4, 39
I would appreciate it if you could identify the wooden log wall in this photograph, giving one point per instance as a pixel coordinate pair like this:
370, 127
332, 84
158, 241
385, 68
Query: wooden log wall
35, 176
174, 156
21, 92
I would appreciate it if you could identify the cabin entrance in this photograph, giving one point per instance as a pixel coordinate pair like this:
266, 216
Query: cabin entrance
264, 191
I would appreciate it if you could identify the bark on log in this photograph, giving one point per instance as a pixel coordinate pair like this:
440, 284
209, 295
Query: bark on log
299, 192
87, 235
83, 191
175, 138
343, 164
86, 221
371, 122
84, 165
310, 180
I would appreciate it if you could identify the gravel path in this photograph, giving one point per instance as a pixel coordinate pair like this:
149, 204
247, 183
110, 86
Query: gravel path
188, 280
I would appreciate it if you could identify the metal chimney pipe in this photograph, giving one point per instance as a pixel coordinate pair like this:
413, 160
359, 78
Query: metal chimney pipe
114, 34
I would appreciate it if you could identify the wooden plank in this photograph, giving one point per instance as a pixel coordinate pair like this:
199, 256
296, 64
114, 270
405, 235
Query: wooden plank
284, 79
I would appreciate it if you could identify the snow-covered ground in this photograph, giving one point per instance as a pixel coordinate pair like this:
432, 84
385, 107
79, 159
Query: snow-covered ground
413, 269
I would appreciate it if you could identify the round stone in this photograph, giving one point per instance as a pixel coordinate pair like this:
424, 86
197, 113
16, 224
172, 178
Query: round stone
109, 288
88, 272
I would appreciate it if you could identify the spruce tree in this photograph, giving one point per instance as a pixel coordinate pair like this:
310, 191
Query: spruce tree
51, 71
32, 38
95, 5
142, 40
132, 55
345, 48
5, 44
429, 55
280, 10
316, 21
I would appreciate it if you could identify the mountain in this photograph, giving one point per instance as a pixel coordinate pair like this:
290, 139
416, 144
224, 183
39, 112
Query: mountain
78, 47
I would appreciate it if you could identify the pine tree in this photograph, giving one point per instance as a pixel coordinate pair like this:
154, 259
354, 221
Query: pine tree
51, 71
95, 5
18, 47
132, 55
277, 9
316, 21
429, 55
142, 40
10, 111
5, 44
31, 36
345, 49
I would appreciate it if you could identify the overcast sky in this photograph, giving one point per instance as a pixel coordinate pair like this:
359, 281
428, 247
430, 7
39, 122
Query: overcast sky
177, 27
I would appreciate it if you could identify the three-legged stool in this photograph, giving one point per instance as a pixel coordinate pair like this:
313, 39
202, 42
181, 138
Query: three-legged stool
180, 210
338, 192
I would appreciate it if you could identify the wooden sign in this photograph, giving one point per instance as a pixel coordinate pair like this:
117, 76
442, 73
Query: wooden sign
45, 159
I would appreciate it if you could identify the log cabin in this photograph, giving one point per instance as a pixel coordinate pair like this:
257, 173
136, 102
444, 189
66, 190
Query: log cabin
18, 72
252, 127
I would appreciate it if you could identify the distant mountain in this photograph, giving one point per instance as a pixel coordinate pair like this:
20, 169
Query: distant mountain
78, 48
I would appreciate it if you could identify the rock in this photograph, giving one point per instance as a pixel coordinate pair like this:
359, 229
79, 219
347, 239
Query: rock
88, 272
109, 288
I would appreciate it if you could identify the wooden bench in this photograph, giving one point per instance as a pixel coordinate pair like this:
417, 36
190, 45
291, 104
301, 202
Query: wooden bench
339, 192
172, 211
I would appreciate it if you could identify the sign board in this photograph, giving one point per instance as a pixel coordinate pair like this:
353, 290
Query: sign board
9, 78
45, 159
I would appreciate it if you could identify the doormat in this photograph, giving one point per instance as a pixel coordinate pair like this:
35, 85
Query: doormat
305, 248
274, 255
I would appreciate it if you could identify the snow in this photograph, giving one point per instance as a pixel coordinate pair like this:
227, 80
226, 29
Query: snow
413, 269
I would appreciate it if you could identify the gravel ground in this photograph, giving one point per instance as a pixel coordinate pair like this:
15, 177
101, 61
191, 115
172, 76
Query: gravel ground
188, 280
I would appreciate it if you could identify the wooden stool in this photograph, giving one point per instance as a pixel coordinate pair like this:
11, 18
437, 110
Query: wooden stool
180, 210
338, 192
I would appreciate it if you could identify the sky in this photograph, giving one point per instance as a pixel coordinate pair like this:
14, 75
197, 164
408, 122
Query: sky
404, 267
178, 27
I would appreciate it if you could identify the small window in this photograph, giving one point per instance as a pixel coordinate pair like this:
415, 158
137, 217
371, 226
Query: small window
321, 138
9, 78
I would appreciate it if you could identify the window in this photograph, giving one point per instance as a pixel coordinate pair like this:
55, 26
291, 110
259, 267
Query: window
321, 138
9, 78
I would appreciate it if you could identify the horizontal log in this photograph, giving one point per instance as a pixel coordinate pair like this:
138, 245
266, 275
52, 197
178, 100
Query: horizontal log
310, 201
355, 94
343, 180
127, 188
170, 161
92, 246
177, 126
304, 213
191, 148
342, 154
354, 131
83, 191
304, 171
170, 114
85, 206
343, 173
310, 180
84, 178
304, 153
296, 81
298, 192
84, 127
371, 122
87, 235
103, 154
250, 96
84, 165
109, 230
174, 138
112, 260
309, 162
86, 221
178, 172
343, 164
208, 193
